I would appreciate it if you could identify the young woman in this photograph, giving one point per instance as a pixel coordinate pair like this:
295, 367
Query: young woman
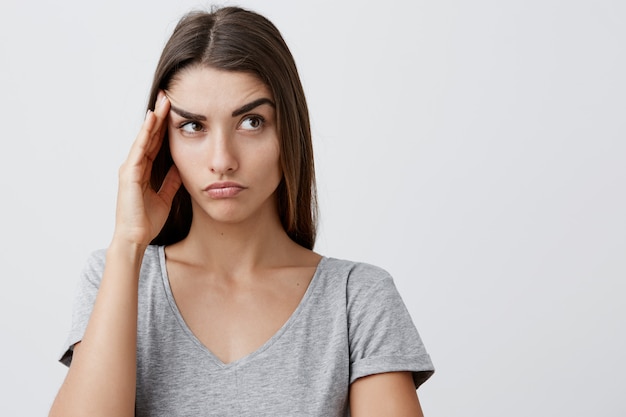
209, 300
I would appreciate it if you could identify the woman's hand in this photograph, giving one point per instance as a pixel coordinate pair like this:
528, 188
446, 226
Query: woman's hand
141, 212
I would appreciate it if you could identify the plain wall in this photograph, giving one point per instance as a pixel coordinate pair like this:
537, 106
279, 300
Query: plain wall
476, 150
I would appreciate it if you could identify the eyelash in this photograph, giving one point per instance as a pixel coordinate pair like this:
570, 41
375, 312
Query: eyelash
182, 126
256, 117
260, 119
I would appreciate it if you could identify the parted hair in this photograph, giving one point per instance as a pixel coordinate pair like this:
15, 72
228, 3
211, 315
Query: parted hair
235, 39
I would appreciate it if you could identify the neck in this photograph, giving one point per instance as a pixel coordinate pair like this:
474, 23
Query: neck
232, 248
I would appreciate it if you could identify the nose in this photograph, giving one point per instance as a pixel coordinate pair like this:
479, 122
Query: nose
222, 154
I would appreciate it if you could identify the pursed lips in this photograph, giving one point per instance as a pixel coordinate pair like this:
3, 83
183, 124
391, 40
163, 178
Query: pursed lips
224, 189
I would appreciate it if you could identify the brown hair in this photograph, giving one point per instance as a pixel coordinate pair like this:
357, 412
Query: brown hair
235, 39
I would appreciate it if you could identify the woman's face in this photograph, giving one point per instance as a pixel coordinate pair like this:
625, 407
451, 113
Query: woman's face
223, 139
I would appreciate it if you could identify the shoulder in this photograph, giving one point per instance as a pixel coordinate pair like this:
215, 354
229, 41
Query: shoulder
355, 269
360, 272
92, 270
96, 260
97, 257
360, 279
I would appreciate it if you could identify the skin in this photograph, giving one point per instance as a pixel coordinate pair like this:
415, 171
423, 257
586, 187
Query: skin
237, 264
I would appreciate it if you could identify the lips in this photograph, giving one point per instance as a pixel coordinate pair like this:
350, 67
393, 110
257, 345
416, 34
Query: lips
220, 190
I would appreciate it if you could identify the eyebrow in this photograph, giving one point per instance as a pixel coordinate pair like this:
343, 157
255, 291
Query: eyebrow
238, 112
253, 104
187, 115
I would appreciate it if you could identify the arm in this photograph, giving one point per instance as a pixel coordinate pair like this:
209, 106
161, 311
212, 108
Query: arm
389, 394
102, 377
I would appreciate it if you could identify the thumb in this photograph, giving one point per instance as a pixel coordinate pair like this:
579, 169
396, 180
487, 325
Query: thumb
170, 185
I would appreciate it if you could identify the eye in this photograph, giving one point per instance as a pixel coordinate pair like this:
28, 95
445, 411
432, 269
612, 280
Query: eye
252, 123
191, 127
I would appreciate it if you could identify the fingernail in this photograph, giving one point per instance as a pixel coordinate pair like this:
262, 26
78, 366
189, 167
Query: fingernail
160, 99
148, 113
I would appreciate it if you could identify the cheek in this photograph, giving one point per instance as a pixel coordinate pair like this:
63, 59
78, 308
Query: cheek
175, 152
183, 159
183, 154
274, 158
275, 150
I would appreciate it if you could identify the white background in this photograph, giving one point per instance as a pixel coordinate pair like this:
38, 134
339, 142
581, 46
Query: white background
476, 150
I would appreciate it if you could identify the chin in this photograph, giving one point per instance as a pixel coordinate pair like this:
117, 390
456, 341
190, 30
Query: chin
233, 212
228, 215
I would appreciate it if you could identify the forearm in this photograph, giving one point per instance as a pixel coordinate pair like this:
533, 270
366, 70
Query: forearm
102, 377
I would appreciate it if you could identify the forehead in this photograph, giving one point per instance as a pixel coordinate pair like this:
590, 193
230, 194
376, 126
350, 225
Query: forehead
202, 88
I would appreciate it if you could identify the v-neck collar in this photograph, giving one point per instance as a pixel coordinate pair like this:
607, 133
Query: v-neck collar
265, 346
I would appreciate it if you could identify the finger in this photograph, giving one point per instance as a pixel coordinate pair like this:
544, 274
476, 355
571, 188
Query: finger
161, 112
148, 141
170, 185
152, 125
162, 107
138, 149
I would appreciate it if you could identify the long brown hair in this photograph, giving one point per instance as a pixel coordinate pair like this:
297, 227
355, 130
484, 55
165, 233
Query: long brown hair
235, 39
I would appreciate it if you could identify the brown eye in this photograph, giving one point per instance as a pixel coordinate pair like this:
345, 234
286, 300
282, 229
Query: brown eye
252, 123
191, 127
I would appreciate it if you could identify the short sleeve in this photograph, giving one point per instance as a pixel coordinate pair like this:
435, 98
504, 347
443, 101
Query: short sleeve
84, 299
382, 335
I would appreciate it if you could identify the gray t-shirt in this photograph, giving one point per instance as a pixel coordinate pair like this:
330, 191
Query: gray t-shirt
350, 323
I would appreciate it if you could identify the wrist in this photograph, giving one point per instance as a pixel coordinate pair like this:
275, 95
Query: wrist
126, 250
